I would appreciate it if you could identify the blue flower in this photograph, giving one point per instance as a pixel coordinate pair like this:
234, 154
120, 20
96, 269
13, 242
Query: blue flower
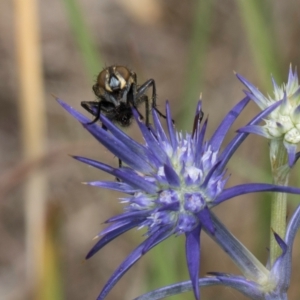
284, 122
172, 182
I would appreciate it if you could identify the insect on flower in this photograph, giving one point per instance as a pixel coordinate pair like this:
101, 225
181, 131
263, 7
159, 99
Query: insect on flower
117, 92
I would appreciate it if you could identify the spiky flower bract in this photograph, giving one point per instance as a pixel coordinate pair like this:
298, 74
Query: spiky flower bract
172, 182
266, 284
284, 122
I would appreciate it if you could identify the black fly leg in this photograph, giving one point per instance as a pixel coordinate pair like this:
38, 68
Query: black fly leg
120, 166
119, 160
142, 90
147, 108
201, 115
131, 98
93, 107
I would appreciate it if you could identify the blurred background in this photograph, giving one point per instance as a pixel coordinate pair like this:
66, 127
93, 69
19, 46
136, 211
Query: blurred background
47, 217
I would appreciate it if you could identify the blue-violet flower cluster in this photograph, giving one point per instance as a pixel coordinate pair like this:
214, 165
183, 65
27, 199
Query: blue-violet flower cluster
172, 182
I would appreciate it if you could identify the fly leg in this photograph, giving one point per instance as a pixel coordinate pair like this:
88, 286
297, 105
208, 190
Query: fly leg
141, 92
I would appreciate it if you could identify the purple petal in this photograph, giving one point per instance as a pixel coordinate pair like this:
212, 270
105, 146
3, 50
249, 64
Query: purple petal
152, 142
206, 221
127, 264
292, 77
283, 264
275, 85
159, 235
139, 215
192, 249
158, 128
135, 180
170, 206
77, 115
177, 288
124, 138
282, 268
96, 164
285, 101
248, 288
111, 236
253, 188
293, 227
199, 114
258, 96
115, 186
118, 148
210, 174
240, 137
197, 120
291, 150
296, 114
281, 243
200, 139
255, 129
115, 226
240, 255
199, 107
171, 176
219, 135
297, 157
171, 127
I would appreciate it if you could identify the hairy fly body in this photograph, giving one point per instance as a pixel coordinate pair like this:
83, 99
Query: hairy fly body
117, 92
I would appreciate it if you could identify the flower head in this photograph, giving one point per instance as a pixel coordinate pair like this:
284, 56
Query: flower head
171, 182
284, 122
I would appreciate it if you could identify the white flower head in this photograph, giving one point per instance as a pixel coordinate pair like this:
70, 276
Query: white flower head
284, 121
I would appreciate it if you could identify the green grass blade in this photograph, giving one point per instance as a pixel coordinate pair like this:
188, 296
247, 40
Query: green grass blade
257, 18
83, 39
196, 59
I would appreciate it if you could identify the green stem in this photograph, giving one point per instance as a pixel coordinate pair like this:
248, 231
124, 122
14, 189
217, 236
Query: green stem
279, 158
83, 38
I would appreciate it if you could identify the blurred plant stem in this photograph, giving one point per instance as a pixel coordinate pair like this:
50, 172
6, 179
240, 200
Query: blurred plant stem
279, 159
84, 40
197, 53
33, 132
53, 286
258, 22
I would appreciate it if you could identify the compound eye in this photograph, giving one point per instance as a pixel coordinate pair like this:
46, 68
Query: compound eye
123, 71
96, 90
102, 77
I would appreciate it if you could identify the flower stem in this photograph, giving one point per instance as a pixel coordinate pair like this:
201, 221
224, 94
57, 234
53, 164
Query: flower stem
280, 173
